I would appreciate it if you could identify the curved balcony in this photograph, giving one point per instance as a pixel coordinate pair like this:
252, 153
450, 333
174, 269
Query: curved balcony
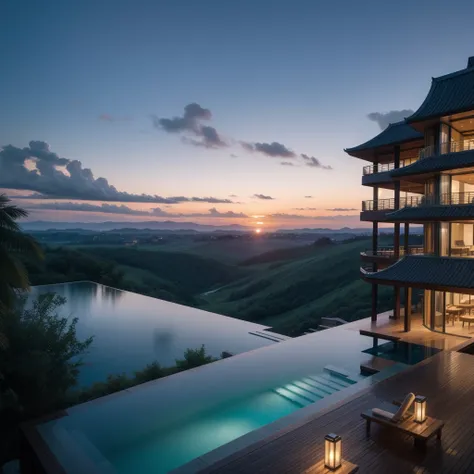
385, 256
448, 207
381, 173
427, 272
452, 155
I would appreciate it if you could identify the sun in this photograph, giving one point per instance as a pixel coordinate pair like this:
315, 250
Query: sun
257, 231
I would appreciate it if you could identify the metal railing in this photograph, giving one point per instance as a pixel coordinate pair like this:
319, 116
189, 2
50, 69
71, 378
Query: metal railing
389, 204
446, 199
455, 199
389, 252
447, 147
382, 167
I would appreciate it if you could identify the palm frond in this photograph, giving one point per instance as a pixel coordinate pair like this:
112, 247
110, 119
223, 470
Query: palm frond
20, 243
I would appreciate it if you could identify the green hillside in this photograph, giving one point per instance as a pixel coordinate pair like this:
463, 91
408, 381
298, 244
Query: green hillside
295, 295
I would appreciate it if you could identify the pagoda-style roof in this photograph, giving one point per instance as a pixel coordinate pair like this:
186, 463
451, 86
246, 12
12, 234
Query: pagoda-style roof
395, 134
448, 161
430, 272
449, 94
432, 213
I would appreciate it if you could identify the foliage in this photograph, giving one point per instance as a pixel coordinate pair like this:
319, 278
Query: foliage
116, 382
42, 359
13, 244
194, 358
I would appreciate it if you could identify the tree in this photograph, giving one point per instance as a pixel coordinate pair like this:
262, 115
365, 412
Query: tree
43, 357
13, 245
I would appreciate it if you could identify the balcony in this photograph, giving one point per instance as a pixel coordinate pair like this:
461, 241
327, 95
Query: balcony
381, 173
452, 155
385, 256
389, 204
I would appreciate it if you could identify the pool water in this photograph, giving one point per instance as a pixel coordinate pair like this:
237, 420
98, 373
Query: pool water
403, 352
132, 330
178, 443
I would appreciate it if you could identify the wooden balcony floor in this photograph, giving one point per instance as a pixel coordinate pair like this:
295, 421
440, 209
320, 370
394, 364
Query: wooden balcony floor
447, 379
418, 334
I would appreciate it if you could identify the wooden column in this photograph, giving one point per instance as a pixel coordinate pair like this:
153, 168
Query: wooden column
396, 297
396, 231
407, 319
375, 295
406, 238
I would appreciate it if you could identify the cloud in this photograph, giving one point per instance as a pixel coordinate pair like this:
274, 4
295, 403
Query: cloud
112, 118
273, 149
342, 209
190, 123
56, 177
314, 162
309, 197
384, 119
86, 207
263, 196
287, 163
122, 209
233, 155
305, 208
233, 195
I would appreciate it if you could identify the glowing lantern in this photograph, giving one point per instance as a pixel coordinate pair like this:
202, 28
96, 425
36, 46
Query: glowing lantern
332, 451
420, 409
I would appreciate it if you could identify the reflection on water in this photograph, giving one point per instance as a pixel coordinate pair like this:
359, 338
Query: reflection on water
131, 330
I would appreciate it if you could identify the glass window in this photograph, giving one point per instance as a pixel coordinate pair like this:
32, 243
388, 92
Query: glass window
439, 308
444, 239
444, 139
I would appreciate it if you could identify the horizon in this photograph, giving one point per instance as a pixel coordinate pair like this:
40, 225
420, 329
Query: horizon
147, 112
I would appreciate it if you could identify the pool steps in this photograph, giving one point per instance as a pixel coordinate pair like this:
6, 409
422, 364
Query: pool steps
312, 388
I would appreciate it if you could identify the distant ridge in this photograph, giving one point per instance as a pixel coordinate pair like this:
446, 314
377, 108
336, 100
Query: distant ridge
152, 225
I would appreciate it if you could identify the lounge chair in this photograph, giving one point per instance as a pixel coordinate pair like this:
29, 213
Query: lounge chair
400, 414
400, 418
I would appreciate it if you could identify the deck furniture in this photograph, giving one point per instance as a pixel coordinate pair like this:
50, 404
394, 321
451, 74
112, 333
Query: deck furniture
467, 306
402, 420
452, 312
467, 319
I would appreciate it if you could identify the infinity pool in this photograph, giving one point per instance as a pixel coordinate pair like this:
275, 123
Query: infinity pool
197, 415
132, 330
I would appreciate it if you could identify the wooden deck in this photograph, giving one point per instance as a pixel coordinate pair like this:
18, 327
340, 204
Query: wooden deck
418, 334
447, 379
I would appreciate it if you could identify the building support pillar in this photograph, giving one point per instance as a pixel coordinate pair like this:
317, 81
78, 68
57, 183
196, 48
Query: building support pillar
396, 231
396, 298
375, 296
407, 318
406, 239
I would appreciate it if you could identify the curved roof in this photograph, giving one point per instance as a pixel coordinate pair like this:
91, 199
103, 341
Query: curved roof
427, 271
432, 213
449, 94
395, 133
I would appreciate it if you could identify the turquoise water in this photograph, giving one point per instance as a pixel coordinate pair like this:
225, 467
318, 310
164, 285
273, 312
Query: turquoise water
404, 352
177, 443
132, 330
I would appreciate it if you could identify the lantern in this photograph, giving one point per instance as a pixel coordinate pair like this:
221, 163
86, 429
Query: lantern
332, 451
420, 409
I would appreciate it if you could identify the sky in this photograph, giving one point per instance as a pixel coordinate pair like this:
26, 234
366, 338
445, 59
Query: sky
214, 112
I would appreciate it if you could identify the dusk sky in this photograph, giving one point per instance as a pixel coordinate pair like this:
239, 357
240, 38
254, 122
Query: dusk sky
222, 110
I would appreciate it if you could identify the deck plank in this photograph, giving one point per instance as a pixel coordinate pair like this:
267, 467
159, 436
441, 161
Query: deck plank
447, 379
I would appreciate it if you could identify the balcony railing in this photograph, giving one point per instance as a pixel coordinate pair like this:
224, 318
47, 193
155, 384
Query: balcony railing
381, 167
389, 252
447, 147
389, 204
455, 199
446, 199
